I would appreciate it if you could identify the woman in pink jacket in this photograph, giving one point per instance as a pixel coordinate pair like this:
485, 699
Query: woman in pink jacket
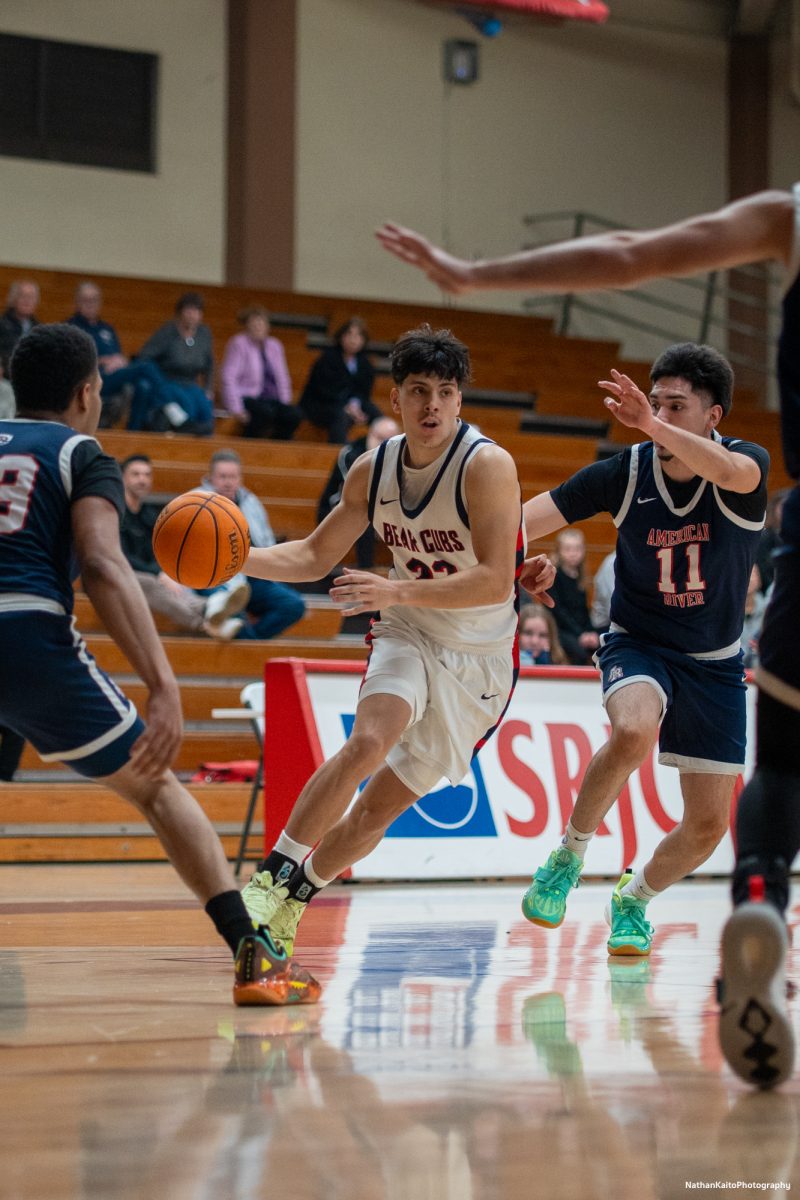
255, 380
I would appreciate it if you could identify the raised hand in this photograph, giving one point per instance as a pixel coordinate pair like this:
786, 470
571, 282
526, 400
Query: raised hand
451, 274
627, 402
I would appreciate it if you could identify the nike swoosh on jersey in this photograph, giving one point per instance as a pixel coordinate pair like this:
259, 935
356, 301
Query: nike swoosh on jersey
394, 500
493, 696
646, 499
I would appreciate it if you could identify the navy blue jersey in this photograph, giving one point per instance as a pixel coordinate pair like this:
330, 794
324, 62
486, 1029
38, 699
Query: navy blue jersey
684, 550
44, 468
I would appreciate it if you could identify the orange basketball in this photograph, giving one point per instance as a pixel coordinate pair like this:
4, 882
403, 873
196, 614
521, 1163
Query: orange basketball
201, 539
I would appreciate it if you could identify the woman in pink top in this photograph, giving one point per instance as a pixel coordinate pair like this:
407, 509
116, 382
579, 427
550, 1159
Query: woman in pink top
255, 380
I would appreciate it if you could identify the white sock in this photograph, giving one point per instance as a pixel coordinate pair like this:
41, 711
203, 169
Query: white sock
312, 876
292, 849
576, 841
639, 888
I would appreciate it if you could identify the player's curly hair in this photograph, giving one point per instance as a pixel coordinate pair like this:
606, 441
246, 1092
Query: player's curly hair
48, 365
427, 351
701, 366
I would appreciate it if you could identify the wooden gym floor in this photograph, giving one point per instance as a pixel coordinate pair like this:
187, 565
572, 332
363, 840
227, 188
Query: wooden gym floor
458, 1053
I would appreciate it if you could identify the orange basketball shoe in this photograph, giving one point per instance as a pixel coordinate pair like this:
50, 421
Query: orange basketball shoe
265, 974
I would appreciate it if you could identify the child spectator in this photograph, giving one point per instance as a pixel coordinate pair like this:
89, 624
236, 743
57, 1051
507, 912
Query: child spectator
539, 644
571, 611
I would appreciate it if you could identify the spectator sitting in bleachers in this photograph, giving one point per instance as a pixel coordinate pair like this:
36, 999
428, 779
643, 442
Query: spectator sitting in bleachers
182, 351
273, 606
19, 317
539, 644
571, 610
379, 431
214, 615
8, 405
338, 391
255, 381
117, 372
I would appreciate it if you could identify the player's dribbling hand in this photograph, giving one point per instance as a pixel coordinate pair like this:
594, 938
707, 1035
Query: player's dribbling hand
156, 749
537, 575
451, 274
627, 402
361, 591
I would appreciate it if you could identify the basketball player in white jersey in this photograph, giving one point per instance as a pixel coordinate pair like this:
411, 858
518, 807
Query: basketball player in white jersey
443, 659
756, 1033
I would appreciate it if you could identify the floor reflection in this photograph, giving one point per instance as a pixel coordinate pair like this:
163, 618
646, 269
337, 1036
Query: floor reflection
459, 1053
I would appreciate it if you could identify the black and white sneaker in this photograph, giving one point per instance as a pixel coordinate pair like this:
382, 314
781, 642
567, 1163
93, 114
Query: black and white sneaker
755, 1033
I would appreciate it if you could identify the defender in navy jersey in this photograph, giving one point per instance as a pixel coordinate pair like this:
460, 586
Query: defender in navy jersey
689, 506
755, 1032
61, 500
446, 501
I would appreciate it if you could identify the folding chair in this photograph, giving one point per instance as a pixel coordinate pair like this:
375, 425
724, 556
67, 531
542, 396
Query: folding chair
252, 697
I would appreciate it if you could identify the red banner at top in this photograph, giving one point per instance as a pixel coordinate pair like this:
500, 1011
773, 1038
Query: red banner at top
567, 10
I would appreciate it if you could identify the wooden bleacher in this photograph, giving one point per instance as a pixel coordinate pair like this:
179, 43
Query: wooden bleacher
522, 371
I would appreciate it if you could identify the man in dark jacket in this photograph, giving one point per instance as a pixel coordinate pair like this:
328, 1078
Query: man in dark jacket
379, 431
19, 317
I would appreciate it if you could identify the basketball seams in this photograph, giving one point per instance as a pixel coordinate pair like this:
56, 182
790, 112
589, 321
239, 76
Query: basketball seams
209, 509
242, 526
173, 545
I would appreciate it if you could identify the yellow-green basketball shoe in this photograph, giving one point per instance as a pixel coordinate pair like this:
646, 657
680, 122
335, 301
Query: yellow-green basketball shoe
545, 901
285, 920
631, 932
263, 897
544, 1024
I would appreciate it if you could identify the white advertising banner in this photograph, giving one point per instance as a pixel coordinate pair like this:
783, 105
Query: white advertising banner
510, 810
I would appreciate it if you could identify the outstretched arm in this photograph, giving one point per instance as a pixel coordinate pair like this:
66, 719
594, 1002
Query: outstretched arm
314, 556
705, 457
751, 230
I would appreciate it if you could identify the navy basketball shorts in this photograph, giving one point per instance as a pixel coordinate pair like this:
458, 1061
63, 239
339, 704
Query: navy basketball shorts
703, 701
53, 693
778, 672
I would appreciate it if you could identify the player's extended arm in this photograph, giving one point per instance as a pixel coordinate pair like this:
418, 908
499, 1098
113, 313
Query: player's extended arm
751, 230
491, 490
114, 591
542, 516
314, 556
707, 458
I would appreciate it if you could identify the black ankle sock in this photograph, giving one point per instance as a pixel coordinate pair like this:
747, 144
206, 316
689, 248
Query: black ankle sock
231, 918
279, 865
300, 888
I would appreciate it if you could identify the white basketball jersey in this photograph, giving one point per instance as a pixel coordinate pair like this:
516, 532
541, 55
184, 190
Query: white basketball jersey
421, 515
